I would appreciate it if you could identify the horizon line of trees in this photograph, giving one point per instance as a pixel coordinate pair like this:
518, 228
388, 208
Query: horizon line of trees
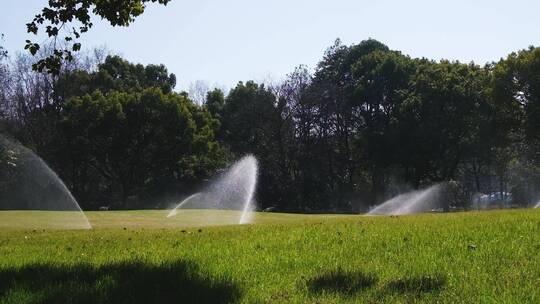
368, 123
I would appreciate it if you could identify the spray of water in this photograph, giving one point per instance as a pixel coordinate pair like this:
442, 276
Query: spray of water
234, 190
537, 205
410, 202
35, 186
184, 202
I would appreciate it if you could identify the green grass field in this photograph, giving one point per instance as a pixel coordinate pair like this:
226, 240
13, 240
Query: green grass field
143, 257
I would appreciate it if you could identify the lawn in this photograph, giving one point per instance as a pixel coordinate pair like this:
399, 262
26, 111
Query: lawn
143, 257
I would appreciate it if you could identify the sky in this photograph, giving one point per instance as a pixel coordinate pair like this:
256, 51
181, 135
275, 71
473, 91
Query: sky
223, 42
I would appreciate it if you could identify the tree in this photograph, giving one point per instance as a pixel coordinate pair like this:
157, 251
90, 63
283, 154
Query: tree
114, 74
138, 140
330, 126
251, 123
215, 102
442, 118
382, 76
74, 18
297, 186
3, 51
198, 91
31, 101
8, 163
524, 68
4, 79
516, 96
445, 127
248, 107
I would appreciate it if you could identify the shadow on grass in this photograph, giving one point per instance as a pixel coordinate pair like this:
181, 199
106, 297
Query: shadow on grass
416, 285
177, 282
343, 282
350, 283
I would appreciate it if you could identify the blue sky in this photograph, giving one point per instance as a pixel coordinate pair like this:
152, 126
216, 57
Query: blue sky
224, 42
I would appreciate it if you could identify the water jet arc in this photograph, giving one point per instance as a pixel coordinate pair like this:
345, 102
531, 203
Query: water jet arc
37, 187
233, 190
182, 203
409, 203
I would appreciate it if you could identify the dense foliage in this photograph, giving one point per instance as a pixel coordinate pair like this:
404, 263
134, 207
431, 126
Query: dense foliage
367, 123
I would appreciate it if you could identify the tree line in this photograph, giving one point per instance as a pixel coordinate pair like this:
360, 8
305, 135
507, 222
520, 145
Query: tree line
367, 123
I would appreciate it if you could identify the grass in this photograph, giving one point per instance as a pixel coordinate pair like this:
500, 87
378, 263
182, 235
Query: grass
141, 257
137, 219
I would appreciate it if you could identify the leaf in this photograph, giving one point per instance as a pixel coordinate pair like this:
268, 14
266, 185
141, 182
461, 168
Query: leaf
33, 48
